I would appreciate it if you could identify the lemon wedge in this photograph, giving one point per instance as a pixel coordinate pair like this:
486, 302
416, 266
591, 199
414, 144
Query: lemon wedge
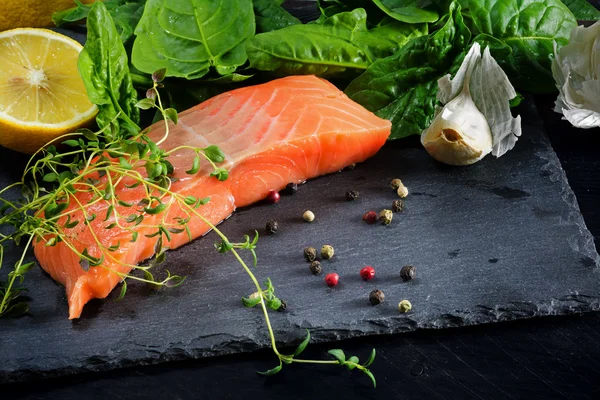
42, 95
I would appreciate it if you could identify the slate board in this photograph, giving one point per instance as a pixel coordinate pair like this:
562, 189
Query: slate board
497, 241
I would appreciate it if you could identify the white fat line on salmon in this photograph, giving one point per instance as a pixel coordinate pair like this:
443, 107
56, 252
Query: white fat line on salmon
275, 126
222, 131
259, 113
344, 121
229, 160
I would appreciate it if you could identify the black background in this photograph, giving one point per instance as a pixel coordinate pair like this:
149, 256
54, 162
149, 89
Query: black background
542, 358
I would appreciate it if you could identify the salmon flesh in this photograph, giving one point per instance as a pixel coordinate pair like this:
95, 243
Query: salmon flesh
287, 130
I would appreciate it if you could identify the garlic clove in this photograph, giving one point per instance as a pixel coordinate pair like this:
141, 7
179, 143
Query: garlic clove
459, 134
453, 151
476, 119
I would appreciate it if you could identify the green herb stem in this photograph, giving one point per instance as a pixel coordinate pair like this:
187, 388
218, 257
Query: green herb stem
166, 120
299, 360
12, 278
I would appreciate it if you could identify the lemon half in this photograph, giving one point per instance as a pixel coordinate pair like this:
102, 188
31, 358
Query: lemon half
42, 95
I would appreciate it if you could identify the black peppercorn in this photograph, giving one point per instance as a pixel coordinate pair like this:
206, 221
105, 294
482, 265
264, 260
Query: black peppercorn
283, 306
310, 253
408, 272
272, 227
290, 189
398, 206
315, 267
376, 297
352, 195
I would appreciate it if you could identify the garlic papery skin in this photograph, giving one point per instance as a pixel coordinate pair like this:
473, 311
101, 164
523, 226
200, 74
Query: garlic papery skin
459, 134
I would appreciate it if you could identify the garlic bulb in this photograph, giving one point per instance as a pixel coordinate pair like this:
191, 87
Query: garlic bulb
576, 70
475, 119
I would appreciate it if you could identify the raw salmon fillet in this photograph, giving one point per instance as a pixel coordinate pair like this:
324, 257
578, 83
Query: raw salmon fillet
287, 130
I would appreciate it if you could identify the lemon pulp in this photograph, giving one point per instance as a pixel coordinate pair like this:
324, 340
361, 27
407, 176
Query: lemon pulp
41, 93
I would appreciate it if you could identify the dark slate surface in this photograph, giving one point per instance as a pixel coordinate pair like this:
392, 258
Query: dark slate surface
497, 241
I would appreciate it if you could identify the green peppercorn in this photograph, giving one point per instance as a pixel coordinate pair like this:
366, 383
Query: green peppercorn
310, 253
308, 216
352, 195
315, 267
272, 227
376, 297
327, 252
385, 216
408, 272
397, 206
404, 306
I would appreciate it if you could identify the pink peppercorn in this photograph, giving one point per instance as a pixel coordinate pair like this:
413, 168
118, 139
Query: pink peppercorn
367, 273
332, 279
370, 217
273, 196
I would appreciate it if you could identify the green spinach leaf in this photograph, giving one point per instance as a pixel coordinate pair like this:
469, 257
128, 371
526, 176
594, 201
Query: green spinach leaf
189, 37
126, 18
329, 9
103, 66
501, 50
529, 28
583, 10
270, 16
125, 13
410, 11
340, 46
182, 94
403, 87
400, 32
74, 14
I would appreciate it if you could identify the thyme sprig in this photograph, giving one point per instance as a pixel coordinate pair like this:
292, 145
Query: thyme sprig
60, 188
95, 164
